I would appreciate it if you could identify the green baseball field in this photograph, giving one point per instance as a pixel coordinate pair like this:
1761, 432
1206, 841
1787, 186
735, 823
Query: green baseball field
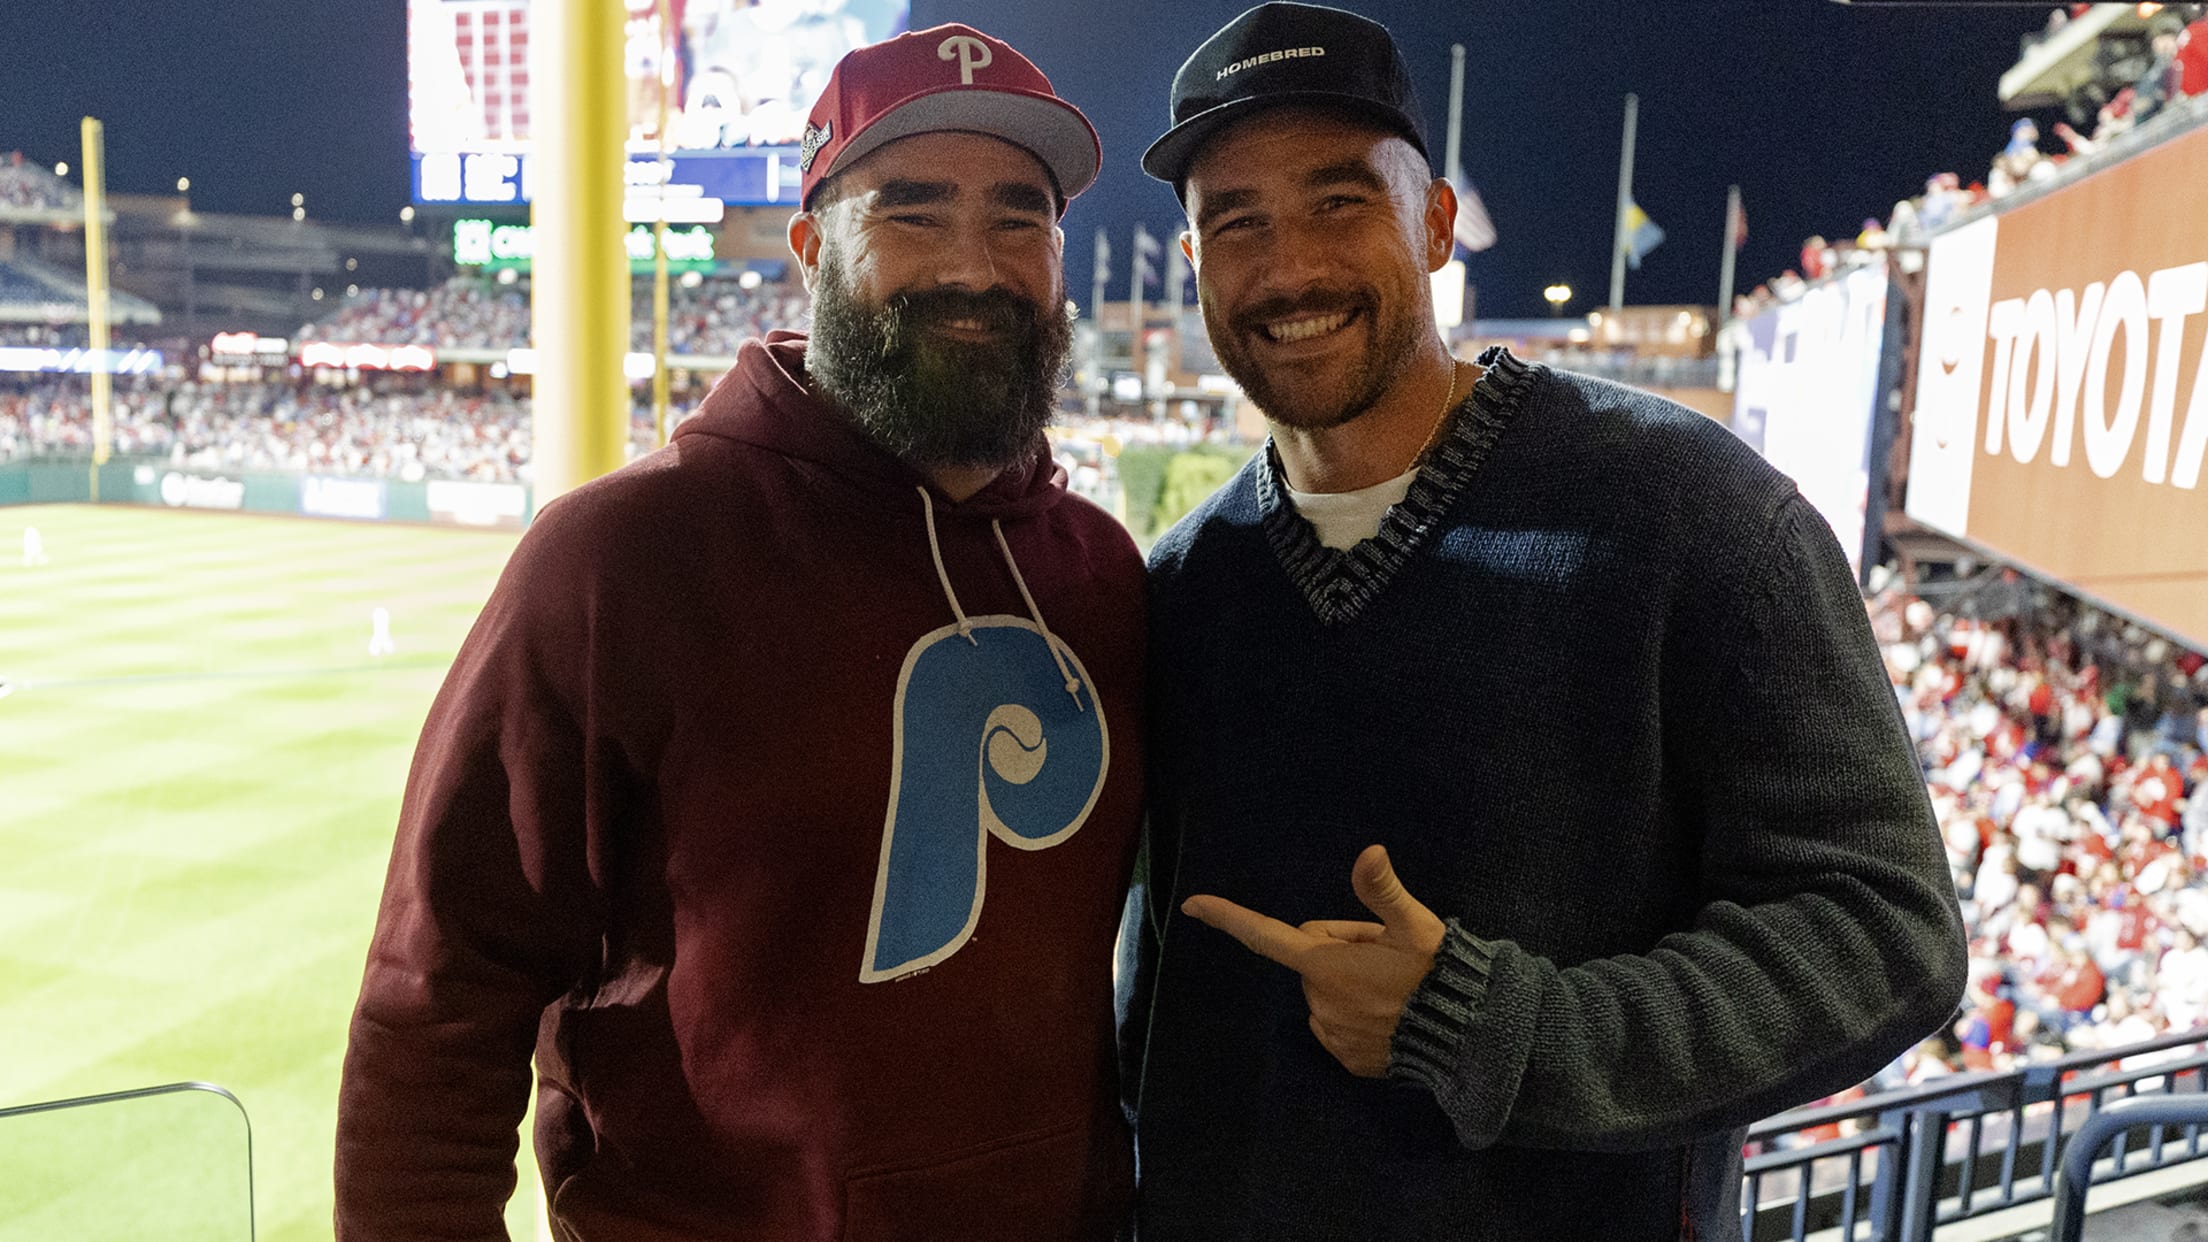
200, 766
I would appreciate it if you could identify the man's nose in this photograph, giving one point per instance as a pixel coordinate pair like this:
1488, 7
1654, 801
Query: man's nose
966, 260
1300, 255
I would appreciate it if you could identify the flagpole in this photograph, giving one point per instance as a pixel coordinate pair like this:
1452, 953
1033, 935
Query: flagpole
1625, 201
1732, 248
1096, 322
1136, 354
1456, 109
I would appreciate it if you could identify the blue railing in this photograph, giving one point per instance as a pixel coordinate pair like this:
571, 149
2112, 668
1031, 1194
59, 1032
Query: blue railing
1965, 1146
2113, 1127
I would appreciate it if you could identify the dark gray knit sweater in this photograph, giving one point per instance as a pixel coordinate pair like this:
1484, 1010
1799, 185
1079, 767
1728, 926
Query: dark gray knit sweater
1604, 688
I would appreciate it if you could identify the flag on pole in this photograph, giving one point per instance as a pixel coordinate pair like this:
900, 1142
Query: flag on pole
1103, 259
1176, 277
1641, 235
1147, 251
1737, 227
1475, 231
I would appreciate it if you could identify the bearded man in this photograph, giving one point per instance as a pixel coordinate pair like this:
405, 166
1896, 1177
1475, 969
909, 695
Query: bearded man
783, 798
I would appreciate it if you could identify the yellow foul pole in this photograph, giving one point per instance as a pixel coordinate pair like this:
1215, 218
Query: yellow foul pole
95, 295
580, 285
659, 234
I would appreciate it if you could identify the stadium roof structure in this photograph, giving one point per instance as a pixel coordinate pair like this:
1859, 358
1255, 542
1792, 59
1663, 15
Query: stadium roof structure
33, 292
2055, 66
29, 194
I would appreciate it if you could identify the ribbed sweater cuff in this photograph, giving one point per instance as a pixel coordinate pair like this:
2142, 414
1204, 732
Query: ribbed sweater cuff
1427, 1040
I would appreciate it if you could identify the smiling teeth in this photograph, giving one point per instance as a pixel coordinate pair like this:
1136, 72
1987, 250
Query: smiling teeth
1301, 329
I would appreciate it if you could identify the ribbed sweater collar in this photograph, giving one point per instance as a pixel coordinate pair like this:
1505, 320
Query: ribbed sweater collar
1340, 584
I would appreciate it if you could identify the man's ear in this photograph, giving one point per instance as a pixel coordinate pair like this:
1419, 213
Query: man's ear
1441, 223
807, 232
1188, 246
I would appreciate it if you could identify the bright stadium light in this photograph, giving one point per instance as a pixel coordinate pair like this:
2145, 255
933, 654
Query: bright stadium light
61, 169
1557, 295
298, 213
298, 200
406, 215
352, 265
352, 291
183, 185
318, 295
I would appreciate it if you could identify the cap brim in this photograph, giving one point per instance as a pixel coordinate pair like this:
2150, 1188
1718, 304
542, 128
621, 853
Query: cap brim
1169, 157
1050, 129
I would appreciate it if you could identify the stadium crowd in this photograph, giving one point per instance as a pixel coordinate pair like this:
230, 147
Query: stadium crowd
2066, 752
403, 430
45, 335
709, 317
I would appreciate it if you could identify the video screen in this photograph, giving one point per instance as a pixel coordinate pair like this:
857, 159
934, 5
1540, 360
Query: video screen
730, 77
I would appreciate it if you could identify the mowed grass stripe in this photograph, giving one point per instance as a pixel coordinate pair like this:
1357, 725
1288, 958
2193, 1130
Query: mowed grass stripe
194, 858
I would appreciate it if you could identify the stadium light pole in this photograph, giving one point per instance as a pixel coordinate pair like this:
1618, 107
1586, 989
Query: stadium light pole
579, 298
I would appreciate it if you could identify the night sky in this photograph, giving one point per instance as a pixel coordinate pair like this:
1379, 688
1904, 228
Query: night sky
1824, 114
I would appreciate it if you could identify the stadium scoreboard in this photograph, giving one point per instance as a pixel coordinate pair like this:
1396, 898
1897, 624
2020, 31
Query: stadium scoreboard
736, 79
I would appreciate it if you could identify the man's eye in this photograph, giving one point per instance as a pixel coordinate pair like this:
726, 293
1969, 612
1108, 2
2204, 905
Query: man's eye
1233, 223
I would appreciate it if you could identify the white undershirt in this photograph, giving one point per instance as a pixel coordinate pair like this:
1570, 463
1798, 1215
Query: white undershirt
1346, 519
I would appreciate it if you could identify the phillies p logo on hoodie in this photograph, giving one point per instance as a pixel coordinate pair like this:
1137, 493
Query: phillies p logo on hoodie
997, 734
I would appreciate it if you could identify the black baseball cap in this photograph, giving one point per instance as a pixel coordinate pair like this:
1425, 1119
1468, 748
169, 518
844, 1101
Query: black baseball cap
1278, 54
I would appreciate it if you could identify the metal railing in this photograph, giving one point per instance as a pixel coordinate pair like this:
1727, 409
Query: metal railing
2113, 1127
1906, 1162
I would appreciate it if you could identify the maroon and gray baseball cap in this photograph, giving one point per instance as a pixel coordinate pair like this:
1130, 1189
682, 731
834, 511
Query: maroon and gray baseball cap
951, 77
1284, 53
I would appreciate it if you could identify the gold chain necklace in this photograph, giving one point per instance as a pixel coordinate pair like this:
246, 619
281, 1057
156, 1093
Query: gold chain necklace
1441, 420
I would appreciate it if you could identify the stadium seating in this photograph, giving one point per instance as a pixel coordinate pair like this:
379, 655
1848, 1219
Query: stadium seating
706, 319
412, 432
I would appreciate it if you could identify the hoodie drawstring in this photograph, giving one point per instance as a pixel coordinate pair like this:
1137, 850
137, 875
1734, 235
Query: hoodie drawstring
1073, 684
965, 626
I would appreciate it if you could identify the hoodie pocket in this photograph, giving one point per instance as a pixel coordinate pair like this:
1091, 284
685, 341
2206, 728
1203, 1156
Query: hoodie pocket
1040, 1186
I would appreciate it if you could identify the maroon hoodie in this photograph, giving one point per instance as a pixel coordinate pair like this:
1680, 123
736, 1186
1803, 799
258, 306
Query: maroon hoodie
783, 808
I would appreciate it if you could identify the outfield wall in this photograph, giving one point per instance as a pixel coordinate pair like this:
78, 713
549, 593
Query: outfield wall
444, 502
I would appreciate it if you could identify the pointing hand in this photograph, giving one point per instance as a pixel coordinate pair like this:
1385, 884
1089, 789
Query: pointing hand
1356, 976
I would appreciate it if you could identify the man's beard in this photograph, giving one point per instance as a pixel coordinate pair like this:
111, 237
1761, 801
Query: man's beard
932, 401
1285, 396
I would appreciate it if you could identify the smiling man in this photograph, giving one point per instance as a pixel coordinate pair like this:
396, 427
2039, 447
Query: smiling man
783, 798
1523, 733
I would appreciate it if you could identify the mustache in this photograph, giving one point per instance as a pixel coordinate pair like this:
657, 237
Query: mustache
1310, 302
998, 310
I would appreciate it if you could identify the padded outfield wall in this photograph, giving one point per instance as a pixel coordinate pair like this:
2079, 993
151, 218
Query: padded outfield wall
446, 502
